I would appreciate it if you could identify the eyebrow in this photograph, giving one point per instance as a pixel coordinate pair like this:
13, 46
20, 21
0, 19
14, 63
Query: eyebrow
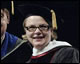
39, 25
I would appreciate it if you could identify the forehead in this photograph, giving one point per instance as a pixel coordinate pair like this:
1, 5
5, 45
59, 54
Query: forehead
35, 20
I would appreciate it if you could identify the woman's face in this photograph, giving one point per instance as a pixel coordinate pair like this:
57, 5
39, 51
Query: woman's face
38, 31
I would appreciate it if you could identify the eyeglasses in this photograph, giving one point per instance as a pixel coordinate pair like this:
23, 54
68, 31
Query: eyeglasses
41, 27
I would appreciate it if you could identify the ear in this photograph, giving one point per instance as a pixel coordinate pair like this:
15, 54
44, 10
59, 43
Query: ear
8, 15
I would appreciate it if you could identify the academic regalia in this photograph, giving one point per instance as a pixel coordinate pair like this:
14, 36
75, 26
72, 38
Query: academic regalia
55, 51
25, 10
15, 50
61, 52
8, 43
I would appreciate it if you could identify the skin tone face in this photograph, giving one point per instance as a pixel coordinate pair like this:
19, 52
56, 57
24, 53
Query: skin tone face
38, 38
4, 22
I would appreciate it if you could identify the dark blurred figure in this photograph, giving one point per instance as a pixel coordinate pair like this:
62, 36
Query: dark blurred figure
13, 49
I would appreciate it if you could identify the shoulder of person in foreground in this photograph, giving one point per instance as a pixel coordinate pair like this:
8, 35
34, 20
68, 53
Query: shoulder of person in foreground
66, 54
20, 53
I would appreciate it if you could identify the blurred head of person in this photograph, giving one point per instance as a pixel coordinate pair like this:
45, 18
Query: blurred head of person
5, 18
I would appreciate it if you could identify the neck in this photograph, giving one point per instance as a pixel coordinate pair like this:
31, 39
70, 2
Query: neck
41, 47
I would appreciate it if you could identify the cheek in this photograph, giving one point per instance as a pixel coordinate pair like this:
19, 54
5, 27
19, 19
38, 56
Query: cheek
3, 27
29, 37
28, 34
4, 24
48, 36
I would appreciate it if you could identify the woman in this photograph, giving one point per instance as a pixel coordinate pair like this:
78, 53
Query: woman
40, 33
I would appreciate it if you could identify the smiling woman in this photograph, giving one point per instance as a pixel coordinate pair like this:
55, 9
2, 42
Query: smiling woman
41, 36
38, 27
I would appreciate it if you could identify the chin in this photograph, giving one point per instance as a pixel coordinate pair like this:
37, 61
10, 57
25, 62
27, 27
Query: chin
39, 44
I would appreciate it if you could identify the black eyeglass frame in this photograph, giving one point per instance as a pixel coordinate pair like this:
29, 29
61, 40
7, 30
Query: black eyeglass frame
41, 28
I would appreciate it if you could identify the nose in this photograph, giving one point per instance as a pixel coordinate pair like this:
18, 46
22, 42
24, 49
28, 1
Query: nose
37, 31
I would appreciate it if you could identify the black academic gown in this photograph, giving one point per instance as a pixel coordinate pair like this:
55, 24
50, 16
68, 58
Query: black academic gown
20, 54
62, 54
